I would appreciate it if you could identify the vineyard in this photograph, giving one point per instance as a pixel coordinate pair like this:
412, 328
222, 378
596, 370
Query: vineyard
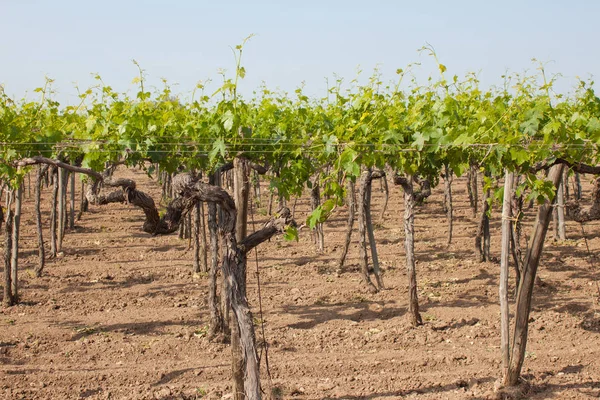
384, 241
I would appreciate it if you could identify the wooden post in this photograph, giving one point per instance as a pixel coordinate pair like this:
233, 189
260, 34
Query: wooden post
72, 209
504, 257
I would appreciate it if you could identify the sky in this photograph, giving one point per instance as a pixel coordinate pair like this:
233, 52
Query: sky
306, 41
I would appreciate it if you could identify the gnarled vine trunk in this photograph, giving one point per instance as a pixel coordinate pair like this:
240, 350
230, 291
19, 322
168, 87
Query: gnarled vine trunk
409, 245
365, 180
8, 227
62, 189
589, 213
448, 177
482, 239
315, 201
351, 200
38, 219
14, 260
53, 213
525, 291
473, 189
215, 325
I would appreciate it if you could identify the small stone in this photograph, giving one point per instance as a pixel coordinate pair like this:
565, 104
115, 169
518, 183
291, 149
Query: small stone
325, 386
296, 294
162, 393
498, 385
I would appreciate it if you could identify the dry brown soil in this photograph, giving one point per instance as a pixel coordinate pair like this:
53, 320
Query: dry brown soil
120, 315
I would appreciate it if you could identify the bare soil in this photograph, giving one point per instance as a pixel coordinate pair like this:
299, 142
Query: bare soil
119, 315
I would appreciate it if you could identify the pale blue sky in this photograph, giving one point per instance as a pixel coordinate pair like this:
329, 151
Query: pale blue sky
306, 40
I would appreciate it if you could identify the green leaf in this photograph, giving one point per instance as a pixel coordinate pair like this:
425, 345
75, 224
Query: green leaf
419, 140
521, 156
11, 153
227, 120
314, 218
90, 123
291, 233
328, 206
348, 162
218, 148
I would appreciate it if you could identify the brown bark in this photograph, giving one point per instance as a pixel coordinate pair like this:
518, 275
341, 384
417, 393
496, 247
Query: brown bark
409, 244
294, 206
202, 227
370, 231
270, 205
482, 239
362, 229
315, 201
560, 212
181, 230
241, 189
14, 260
1, 209
61, 208
424, 189
565, 182
584, 214
448, 177
351, 200
38, 218
473, 189
83, 205
129, 194
515, 237
277, 224
256, 187
8, 295
233, 271
504, 259
57, 163
215, 325
72, 209
232, 265
386, 197
188, 228
525, 292
53, 213
196, 239
241, 192
577, 186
